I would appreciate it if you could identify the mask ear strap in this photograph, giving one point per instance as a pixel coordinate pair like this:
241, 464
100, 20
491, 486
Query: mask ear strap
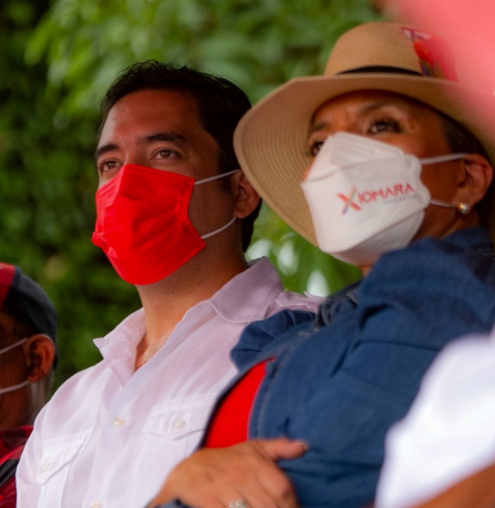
462, 208
219, 230
12, 346
443, 158
14, 387
216, 177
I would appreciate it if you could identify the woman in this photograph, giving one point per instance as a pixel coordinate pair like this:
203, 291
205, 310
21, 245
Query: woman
398, 181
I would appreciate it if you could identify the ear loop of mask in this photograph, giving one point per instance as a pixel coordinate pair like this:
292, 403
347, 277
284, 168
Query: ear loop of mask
19, 385
461, 207
12, 346
210, 179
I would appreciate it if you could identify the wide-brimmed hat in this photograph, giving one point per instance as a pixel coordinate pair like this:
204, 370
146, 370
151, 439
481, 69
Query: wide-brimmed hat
271, 139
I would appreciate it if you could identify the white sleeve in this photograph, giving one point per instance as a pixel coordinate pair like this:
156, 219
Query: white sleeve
449, 432
28, 489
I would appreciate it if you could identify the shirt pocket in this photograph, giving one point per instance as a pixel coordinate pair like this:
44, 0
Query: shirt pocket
57, 456
179, 418
181, 422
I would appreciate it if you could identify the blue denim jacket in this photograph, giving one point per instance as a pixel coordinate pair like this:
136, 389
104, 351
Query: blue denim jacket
341, 380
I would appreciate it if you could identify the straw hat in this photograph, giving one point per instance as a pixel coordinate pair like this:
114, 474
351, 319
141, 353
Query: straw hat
270, 140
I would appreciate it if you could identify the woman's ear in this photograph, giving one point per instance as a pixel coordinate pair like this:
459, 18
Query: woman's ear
40, 354
246, 198
478, 175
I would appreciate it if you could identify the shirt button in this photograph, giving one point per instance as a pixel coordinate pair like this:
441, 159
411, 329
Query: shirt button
95, 504
179, 424
46, 466
118, 422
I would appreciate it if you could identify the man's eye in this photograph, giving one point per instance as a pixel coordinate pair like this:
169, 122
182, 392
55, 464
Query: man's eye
166, 154
384, 125
107, 166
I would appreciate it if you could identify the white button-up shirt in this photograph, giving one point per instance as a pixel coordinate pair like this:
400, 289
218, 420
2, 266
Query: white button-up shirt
110, 435
449, 432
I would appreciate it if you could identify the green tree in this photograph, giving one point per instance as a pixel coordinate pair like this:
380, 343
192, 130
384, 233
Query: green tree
51, 84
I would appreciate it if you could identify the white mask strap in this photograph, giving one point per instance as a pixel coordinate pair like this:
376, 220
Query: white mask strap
443, 158
442, 203
216, 177
20, 385
219, 230
12, 346
14, 387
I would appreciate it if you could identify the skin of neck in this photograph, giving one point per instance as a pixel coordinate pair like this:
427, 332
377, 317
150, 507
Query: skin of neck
166, 301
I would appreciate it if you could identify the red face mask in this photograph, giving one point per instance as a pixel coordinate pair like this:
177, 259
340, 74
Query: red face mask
142, 222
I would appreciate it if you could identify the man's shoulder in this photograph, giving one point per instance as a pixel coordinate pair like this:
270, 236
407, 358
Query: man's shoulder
75, 390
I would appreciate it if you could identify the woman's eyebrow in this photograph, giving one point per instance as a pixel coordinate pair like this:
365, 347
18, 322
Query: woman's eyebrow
317, 127
369, 108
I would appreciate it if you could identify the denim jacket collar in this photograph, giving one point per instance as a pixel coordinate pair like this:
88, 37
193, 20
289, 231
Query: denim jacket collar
331, 304
470, 239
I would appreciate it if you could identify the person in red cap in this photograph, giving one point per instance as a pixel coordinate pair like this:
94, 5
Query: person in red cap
28, 354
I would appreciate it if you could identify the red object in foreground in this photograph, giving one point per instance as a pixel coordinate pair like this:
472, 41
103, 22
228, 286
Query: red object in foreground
229, 424
468, 27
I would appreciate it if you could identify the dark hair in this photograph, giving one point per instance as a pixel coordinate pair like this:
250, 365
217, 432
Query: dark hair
221, 105
461, 140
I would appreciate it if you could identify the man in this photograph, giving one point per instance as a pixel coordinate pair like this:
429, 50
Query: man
28, 353
381, 169
174, 215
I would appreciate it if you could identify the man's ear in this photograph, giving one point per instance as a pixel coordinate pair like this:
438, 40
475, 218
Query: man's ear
246, 198
40, 354
478, 175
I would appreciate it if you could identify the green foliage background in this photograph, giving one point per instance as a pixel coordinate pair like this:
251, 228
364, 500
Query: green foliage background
56, 61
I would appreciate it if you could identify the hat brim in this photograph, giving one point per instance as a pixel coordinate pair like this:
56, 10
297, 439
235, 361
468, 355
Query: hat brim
270, 140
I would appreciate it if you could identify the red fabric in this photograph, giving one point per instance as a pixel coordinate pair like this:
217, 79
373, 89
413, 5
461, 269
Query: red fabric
229, 425
12, 443
7, 273
142, 223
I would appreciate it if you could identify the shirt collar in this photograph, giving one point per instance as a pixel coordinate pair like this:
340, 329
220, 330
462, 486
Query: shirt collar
130, 331
473, 239
327, 309
246, 297
469, 239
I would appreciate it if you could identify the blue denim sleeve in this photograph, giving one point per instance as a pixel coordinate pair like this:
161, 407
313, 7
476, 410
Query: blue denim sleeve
343, 417
344, 388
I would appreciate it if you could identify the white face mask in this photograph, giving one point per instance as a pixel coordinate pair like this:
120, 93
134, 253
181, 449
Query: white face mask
366, 197
20, 385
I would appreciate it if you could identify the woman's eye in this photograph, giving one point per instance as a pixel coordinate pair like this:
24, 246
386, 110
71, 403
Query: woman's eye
314, 148
384, 125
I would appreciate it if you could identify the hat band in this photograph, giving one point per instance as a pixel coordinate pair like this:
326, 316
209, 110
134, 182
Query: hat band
380, 68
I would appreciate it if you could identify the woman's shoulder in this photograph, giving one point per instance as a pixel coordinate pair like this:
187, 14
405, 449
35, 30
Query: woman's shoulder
272, 334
